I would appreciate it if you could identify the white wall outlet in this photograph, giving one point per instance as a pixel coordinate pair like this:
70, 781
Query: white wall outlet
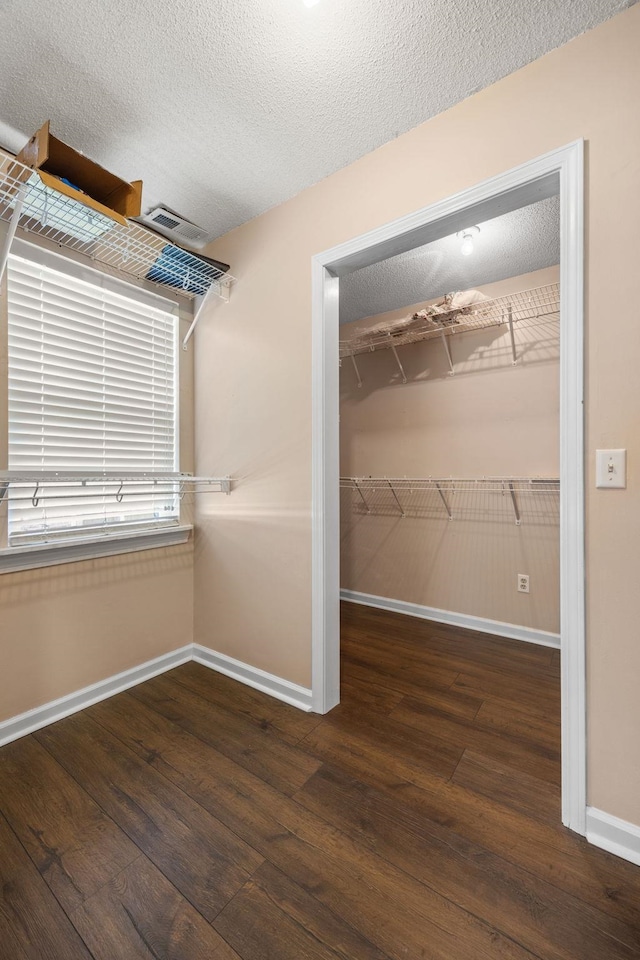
523, 583
611, 469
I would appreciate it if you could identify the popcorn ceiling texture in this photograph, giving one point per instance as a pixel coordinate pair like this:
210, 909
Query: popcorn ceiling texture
225, 109
516, 243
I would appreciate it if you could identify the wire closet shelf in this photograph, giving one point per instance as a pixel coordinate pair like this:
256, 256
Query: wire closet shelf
38, 486
525, 309
532, 498
130, 249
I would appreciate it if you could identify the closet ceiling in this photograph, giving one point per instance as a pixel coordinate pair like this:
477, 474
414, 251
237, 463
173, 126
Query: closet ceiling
519, 242
225, 109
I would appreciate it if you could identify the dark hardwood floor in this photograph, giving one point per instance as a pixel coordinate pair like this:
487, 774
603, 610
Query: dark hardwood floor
193, 818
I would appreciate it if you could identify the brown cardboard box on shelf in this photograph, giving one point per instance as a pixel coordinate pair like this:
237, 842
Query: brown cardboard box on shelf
96, 187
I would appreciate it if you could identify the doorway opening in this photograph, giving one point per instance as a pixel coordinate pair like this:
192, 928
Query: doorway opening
558, 174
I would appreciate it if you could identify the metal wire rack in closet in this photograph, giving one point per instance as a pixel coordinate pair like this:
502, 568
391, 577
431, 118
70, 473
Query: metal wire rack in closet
532, 499
516, 312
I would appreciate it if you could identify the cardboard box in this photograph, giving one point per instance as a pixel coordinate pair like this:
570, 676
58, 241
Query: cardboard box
97, 188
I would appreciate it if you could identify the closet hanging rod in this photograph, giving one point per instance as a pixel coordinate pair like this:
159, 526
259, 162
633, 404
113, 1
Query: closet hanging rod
110, 476
124, 484
37, 497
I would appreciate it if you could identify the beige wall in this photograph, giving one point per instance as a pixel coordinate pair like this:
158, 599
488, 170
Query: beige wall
253, 371
489, 419
65, 627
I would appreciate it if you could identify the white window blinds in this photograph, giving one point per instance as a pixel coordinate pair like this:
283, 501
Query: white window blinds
92, 390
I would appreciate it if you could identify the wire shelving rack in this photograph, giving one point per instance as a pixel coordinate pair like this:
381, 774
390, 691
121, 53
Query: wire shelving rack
521, 310
532, 499
131, 249
38, 486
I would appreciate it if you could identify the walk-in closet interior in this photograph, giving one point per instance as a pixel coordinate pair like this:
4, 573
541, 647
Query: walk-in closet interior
449, 426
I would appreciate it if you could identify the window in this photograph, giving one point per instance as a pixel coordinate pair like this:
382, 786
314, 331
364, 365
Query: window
92, 391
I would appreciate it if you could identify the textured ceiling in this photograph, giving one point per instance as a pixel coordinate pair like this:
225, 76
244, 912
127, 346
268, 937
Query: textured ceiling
520, 242
227, 108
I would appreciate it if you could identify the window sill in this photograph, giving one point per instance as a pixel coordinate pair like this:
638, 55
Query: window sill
14, 559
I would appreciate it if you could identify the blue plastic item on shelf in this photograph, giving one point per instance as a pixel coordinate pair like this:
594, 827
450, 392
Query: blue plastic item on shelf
177, 268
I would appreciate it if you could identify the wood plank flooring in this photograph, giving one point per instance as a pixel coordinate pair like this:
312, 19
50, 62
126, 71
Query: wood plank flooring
193, 818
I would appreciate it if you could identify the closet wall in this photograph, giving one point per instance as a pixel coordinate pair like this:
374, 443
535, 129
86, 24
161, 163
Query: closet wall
489, 419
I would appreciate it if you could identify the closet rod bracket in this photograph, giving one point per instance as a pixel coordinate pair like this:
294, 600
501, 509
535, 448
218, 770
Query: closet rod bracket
447, 350
11, 229
217, 289
355, 367
514, 356
515, 504
402, 373
444, 500
364, 499
395, 497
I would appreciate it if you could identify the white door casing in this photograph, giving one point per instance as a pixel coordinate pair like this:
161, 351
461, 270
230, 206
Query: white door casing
560, 171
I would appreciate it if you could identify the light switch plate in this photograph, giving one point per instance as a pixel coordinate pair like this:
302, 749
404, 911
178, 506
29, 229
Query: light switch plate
611, 469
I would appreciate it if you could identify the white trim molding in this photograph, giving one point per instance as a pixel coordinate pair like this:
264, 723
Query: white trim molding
560, 171
509, 631
16, 559
42, 716
613, 834
25, 723
325, 504
572, 522
285, 690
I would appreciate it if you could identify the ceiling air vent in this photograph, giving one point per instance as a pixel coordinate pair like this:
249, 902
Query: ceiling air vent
175, 227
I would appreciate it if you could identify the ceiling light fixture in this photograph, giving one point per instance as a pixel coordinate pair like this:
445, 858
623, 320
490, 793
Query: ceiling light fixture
310, 3
467, 240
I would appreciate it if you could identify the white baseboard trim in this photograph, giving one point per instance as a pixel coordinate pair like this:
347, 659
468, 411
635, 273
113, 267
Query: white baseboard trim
612, 834
253, 677
508, 630
25, 723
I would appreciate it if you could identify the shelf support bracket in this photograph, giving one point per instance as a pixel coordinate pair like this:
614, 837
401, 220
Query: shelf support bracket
362, 496
514, 356
198, 313
395, 353
395, 497
444, 500
515, 504
223, 288
4, 490
447, 350
11, 229
355, 367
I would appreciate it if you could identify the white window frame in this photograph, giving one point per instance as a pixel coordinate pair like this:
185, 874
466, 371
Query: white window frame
112, 542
